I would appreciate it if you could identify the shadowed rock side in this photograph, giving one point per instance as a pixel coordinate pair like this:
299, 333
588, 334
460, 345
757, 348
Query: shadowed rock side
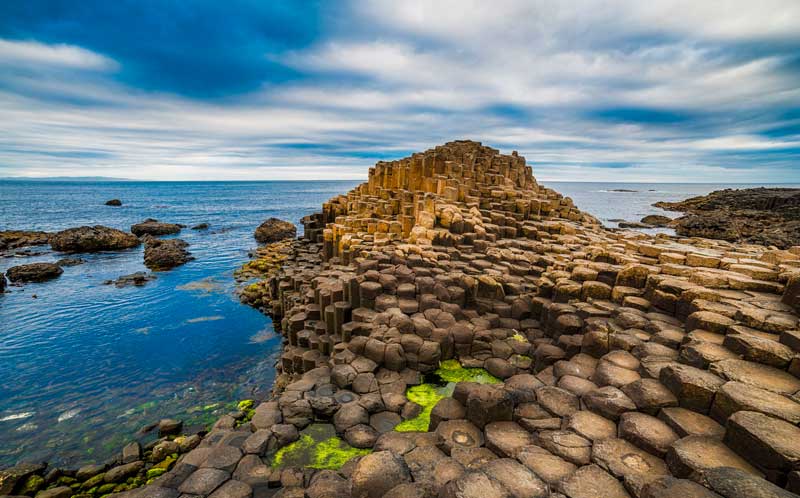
630, 364
768, 216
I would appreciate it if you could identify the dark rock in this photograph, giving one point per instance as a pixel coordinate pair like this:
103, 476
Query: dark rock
767, 216
13, 239
274, 230
114, 202
731, 482
154, 227
165, 254
201, 226
169, 426
70, 262
656, 220
92, 239
139, 278
377, 473
9, 478
34, 272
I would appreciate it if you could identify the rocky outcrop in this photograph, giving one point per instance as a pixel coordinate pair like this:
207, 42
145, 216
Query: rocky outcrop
767, 216
113, 202
274, 230
138, 279
610, 363
656, 220
165, 254
13, 239
34, 272
154, 227
92, 239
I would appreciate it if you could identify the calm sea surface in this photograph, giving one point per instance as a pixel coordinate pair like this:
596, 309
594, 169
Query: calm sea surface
84, 365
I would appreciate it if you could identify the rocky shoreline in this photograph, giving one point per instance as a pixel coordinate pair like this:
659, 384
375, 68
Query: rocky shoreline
767, 216
460, 331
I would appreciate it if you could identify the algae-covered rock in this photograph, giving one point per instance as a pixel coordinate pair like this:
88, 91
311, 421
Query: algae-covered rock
318, 448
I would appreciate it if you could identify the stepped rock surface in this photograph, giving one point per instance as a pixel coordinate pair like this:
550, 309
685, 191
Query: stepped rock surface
769, 216
624, 364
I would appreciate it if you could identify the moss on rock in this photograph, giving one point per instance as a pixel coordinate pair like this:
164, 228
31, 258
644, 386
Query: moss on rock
318, 448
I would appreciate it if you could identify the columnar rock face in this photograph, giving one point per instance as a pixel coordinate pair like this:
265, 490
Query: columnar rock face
632, 365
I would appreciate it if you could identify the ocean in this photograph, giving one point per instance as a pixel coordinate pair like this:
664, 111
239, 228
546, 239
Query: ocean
86, 365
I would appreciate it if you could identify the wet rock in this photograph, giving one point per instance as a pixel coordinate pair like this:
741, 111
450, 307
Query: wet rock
165, 254
169, 426
70, 262
377, 473
274, 230
131, 452
92, 239
201, 226
10, 477
154, 227
138, 279
656, 220
113, 202
34, 272
14, 239
122, 472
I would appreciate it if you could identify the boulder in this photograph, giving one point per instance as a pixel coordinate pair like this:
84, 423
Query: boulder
274, 230
154, 227
162, 255
92, 239
34, 272
113, 202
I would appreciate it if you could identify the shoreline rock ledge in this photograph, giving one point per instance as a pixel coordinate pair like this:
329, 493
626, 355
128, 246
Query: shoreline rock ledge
624, 364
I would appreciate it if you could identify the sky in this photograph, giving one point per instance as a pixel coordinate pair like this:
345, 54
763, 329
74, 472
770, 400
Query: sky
613, 90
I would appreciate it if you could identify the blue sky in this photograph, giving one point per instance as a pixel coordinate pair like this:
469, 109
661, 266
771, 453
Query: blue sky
620, 90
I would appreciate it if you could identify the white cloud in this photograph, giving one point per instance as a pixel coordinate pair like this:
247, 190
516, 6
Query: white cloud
32, 53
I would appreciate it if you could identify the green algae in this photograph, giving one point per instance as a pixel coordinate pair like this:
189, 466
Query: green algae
318, 448
427, 395
519, 337
452, 371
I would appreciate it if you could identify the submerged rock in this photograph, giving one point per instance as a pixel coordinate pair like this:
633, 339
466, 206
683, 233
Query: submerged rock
139, 278
165, 254
154, 227
34, 272
70, 261
92, 239
274, 230
201, 226
114, 202
13, 239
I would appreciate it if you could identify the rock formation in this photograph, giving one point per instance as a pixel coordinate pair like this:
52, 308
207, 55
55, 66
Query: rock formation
13, 239
92, 239
768, 216
274, 230
165, 254
619, 364
34, 272
154, 227
113, 202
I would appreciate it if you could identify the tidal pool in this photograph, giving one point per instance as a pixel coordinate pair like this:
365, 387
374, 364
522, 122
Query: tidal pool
318, 448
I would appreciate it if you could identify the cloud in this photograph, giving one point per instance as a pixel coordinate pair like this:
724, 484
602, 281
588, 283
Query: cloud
586, 90
34, 54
